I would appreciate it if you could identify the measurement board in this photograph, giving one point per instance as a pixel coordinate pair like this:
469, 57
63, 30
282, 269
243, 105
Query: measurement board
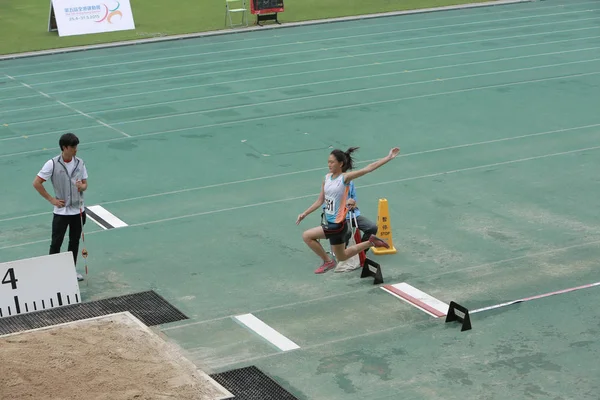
38, 283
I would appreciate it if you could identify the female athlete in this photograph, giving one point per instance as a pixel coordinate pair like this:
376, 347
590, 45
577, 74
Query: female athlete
333, 196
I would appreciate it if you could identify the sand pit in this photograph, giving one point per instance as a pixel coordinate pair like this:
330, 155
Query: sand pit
114, 357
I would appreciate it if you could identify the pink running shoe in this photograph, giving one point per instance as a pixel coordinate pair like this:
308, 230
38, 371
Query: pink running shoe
325, 267
377, 242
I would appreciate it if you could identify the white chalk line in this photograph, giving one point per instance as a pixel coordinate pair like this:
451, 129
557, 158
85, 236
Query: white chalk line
69, 107
244, 40
368, 89
142, 71
319, 60
269, 55
24, 216
312, 111
262, 67
235, 208
362, 77
245, 80
492, 263
349, 79
286, 174
369, 185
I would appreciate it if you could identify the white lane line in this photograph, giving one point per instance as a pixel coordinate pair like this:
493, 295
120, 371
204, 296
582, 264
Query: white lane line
314, 61
245, 40
316, 194
213, 53
316, 111
340, 93
250, 60
362, 77
245, 80
370, 185
69, 107
260, 178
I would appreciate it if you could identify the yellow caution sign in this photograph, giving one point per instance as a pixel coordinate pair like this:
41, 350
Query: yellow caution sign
384, 229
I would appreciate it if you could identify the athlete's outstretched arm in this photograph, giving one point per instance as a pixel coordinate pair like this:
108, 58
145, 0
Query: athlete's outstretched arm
351, 175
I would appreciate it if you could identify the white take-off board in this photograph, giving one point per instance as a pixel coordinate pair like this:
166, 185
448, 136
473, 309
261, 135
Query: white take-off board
81, 17
38, 283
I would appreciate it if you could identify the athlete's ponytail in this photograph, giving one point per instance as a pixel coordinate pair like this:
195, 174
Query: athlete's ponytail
348, 165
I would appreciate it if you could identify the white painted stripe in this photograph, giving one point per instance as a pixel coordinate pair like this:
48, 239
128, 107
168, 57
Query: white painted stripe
212, 53
260, 178
245, 80
296, 43
369, 185
107, 216
88, 116
316, 194
287, 25
311, 83
423, 297
67, 106
312, 111
240, 61
267, 332
212, 73
345, 92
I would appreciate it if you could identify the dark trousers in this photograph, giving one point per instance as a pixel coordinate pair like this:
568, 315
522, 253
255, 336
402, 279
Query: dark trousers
366, 226
60, 223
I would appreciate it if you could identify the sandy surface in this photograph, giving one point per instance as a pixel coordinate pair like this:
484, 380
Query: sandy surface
110, 358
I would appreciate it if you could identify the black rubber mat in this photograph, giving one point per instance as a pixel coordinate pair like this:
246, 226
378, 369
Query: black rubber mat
250, 383
149, 307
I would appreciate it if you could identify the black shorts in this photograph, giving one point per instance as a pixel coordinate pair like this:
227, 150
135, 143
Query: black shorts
336, 233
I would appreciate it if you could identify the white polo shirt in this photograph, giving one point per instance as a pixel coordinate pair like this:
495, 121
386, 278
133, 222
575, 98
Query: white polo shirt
46, 172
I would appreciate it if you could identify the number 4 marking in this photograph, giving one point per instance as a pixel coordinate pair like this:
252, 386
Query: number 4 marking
9, 277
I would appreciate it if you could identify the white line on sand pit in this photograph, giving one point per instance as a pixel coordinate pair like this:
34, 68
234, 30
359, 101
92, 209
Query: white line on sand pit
267, 332
418, 299
107, 216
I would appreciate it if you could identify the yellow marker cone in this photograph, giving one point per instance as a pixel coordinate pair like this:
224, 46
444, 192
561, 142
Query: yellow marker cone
384, 229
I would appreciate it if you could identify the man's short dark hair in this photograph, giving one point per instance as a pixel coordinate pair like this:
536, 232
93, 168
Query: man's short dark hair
68, 139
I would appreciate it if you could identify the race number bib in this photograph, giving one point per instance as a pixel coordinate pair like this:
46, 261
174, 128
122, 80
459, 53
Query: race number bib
329, 205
